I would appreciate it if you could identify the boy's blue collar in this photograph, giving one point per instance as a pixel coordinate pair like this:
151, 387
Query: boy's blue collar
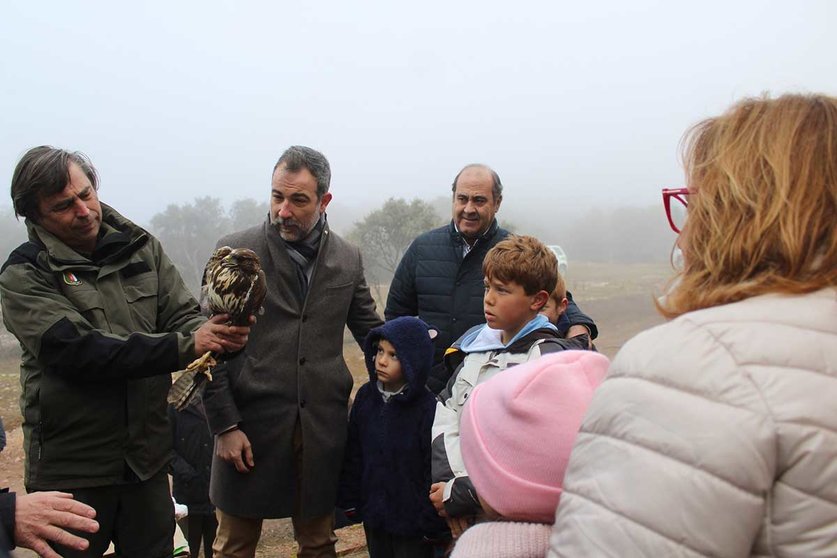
487, 339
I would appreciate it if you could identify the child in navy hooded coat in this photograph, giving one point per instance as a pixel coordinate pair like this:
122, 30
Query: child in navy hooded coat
386, 473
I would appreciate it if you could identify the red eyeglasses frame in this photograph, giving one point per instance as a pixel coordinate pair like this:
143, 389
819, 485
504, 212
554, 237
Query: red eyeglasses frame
680, 194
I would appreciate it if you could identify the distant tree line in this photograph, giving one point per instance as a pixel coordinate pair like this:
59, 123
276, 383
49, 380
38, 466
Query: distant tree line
385, 234
190, 231
12, 232
615, 235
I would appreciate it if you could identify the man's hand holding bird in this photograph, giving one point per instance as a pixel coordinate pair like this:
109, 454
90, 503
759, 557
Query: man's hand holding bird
233, 290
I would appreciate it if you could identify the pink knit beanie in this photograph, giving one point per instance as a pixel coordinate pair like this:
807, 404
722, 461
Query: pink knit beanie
518, 428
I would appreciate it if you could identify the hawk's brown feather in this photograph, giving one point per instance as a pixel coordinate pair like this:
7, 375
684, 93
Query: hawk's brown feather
233, 283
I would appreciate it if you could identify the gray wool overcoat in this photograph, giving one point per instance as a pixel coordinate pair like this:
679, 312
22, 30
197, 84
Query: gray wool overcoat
291, 367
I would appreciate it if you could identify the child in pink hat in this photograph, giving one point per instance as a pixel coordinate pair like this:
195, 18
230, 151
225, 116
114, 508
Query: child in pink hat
517, 431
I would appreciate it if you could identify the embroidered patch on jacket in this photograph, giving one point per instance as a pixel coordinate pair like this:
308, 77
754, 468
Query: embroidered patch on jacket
71, 279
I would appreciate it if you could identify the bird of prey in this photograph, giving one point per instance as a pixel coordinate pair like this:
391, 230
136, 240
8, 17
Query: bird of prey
234, 284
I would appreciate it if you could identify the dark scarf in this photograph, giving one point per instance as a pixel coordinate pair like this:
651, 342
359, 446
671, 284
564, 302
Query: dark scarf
303, 252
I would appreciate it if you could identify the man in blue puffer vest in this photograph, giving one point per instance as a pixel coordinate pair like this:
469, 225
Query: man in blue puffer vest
440, 279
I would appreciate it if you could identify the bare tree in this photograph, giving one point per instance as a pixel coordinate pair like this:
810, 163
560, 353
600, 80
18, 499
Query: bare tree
189, 232
248, 212
385, 234
12, 232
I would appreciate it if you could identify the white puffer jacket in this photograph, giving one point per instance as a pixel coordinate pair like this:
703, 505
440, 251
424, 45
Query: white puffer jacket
713, 435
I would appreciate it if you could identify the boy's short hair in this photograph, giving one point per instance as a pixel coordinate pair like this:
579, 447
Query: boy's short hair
559, 293
524, 260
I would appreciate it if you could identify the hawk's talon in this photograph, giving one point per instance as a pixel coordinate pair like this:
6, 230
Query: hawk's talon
204, 361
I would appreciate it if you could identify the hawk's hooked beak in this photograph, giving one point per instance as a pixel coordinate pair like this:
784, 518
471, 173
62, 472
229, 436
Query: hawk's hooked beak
229, 261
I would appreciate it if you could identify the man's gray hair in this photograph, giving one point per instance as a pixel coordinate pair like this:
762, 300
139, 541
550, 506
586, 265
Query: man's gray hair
297, 157
45, 171
497, 186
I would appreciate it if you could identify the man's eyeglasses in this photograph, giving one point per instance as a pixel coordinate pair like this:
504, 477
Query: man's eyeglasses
676, 213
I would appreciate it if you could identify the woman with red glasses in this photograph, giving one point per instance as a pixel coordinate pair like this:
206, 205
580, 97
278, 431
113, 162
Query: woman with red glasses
716, 434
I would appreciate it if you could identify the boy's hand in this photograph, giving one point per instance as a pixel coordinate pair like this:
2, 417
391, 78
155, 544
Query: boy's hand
578, 330
437, 497
457, 525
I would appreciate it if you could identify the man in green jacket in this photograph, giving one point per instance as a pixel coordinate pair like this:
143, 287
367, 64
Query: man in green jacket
103, 318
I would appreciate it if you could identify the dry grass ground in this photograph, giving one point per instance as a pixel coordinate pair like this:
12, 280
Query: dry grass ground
618, 297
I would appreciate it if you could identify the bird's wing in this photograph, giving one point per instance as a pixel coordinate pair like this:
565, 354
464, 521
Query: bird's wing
210, 272
258, 294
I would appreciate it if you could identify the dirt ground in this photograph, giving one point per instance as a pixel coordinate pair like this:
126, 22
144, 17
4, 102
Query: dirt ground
618, 297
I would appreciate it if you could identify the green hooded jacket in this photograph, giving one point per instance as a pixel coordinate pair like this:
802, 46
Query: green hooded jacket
100, 336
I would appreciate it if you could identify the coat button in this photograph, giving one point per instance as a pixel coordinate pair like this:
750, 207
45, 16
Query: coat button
302, 360
302, 403
305, 317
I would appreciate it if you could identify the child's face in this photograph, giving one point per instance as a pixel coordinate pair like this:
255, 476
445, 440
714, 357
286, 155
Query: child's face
553, 311
388, 367
508, 308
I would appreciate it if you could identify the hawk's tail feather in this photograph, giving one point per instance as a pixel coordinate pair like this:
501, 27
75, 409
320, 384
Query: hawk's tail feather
191, 382
186, 389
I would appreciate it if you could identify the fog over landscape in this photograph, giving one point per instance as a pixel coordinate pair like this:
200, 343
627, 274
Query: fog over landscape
579, 109
184, 107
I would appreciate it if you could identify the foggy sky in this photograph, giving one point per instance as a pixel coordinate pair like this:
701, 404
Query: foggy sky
572, 105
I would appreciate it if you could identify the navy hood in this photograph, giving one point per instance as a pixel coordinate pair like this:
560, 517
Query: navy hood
411, 338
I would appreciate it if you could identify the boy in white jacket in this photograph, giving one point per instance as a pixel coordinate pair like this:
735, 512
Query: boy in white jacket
520, 273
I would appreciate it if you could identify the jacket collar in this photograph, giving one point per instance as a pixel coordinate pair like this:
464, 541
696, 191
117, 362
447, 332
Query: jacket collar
278, 251
117, 237
456, 236
487, 339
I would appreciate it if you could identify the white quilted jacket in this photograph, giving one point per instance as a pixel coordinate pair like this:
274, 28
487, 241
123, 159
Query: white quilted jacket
713, 435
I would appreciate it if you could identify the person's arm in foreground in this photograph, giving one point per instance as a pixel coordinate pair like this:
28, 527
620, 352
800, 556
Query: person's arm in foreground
43, 517
452, 493
51, 328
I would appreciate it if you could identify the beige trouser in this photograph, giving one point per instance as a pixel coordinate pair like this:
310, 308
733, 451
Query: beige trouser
238, 536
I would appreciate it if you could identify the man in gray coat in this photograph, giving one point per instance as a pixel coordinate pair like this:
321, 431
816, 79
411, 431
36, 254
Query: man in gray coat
279, 409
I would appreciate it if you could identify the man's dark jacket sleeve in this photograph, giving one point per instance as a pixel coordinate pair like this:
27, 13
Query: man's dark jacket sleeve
7, 523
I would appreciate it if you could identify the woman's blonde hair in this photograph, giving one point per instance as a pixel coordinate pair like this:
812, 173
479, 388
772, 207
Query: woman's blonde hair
762, 204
